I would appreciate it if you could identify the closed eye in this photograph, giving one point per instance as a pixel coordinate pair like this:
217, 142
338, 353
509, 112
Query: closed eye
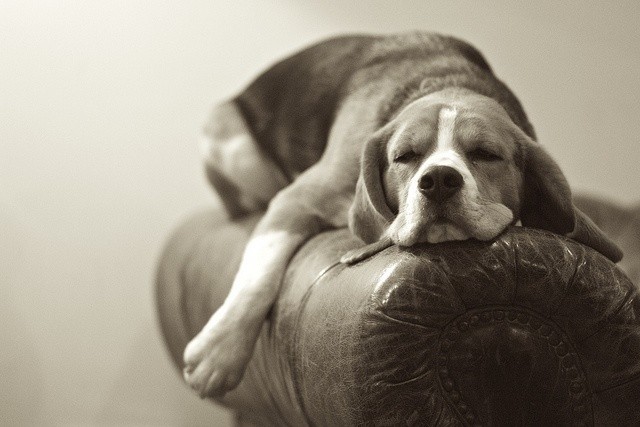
483, 155
405, 157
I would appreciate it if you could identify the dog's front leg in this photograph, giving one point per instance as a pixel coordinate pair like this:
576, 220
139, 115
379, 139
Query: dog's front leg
216, 358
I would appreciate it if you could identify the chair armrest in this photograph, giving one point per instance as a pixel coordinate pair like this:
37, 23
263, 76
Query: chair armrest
533, 326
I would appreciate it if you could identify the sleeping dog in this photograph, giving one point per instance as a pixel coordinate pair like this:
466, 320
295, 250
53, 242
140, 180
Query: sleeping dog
406, 139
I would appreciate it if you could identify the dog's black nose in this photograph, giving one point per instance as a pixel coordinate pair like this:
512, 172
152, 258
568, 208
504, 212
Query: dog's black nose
440, 183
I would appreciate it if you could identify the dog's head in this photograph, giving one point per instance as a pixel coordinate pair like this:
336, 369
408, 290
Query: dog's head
452, 165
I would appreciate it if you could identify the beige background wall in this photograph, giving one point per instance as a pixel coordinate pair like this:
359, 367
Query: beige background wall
100, 107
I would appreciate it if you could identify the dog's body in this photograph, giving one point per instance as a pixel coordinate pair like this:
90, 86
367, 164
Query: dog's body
406, 139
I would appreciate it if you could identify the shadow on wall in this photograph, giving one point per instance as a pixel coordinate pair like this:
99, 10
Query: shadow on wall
148, 390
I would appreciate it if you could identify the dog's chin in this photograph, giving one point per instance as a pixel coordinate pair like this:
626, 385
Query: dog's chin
444, 231
456, 225
410, 231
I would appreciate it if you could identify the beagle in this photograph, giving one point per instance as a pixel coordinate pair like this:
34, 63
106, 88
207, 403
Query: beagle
406, 139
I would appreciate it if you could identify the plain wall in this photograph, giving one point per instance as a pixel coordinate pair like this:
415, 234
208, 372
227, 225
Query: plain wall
101, 104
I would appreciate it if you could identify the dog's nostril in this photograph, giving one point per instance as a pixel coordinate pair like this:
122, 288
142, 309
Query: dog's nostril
452, 180
440, 183
426, 182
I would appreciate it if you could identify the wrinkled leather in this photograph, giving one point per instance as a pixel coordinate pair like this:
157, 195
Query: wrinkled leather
532, 329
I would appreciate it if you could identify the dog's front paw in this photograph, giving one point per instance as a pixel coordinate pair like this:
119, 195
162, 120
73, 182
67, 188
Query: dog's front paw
216, 358
356, 255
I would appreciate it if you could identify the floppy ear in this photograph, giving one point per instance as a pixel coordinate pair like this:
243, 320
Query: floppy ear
370, 215
547, 202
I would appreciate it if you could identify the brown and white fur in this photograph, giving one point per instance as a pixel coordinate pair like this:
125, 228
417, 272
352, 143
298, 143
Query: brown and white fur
406, 139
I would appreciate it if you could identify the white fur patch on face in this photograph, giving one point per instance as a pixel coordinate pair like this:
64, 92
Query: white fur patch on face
445, 153
446, 128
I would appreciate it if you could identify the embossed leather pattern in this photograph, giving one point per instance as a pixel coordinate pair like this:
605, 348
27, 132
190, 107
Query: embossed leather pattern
532, 329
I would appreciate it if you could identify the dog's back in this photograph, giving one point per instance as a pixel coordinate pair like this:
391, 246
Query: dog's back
285, 115
290, 107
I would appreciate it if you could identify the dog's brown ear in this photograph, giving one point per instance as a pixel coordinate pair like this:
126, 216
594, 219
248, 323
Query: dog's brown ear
547, 203
370, 214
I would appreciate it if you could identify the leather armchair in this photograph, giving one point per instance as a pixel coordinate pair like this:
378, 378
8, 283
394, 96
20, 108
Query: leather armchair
532, 329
